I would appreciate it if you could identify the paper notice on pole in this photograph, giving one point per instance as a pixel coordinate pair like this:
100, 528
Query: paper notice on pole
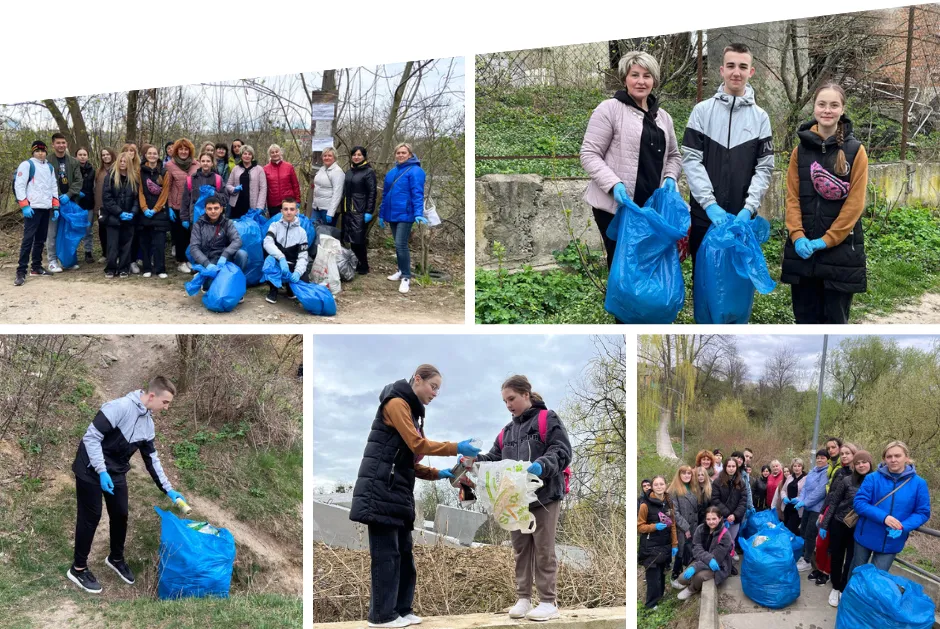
320, 143
323, 111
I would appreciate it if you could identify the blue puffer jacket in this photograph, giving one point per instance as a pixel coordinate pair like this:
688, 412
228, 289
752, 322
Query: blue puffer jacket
814, 489
403, 193
910, 505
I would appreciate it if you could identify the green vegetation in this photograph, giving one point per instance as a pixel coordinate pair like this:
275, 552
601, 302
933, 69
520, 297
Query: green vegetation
903, 249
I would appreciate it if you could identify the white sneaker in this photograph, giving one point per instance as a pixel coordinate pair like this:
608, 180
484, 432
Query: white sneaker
162, 276
394, 277
147, 274
412, 619
834, 597
184, 268
398, 622
676, 585
134, 268
544, 611
102, 260
687, 593
736, 557
74, 267
55, 267
802, 566
521, 608
405, 283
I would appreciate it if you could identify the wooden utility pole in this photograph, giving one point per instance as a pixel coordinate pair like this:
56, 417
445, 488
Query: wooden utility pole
326, 95
907, 82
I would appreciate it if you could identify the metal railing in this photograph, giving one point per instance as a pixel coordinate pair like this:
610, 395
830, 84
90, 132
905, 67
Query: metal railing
926, 531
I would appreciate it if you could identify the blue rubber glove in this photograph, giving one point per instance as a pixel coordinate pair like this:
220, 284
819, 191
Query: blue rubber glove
222, 261
714, 565
727, 524
893, 533
688, 573
787, 501
237, 188
126, 216
107, 485
381, 223
27, 211
185, 224
675, 551
442, 474
172, 215
465, 448
329, 219
63, 199
173, 494
368, 217
620, 194
212, 268
716, 214
295, 276
660, 526
149, 213
744, 216
81, 195
669, 184
750, 512
823, 533
55, 215
421, 220
798, 505
818, 245
535, 468
285, 268
803, 248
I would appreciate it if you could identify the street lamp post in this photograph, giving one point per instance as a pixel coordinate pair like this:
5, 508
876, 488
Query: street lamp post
681, 395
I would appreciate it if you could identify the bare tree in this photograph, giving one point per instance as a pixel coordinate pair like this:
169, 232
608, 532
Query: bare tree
781, 370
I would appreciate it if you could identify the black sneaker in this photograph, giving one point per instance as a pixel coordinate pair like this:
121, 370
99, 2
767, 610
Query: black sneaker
813, 575
40, 272
109, 274
84, 579
271, 297
822, 579
20, 279
120, 566
124, 274
89, 259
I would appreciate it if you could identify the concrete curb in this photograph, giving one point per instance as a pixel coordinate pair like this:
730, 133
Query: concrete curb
708, 607
599, 618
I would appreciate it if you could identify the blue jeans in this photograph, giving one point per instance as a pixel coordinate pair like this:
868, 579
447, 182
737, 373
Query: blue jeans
402, 232
319, 216
882, 561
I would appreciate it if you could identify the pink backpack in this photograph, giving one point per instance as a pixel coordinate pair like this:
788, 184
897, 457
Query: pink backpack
543, 434
218, 183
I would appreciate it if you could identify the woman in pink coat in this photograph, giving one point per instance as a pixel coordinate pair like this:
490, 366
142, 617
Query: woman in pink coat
630, 146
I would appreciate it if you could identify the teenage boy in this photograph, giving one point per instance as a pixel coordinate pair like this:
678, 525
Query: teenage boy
727, 150
37, 195
286, 240
215, 240
121, 428
69, 177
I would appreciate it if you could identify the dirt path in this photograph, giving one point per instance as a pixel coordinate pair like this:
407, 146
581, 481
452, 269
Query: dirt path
85, 296
925, 310
663, 441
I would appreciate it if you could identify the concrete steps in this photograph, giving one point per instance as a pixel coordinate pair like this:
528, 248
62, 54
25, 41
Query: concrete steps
600, 618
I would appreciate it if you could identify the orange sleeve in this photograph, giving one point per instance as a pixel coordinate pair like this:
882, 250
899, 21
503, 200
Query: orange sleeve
794, 216
425, 472
641, 524
140, 196
397, 414
854, 204
164, 194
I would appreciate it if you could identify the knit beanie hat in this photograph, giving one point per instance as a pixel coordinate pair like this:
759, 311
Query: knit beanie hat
39, 145
863, 455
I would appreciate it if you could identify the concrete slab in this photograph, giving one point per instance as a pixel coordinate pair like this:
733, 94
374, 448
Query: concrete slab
331, 525
458, 523
600, 618
786, 619
731, 599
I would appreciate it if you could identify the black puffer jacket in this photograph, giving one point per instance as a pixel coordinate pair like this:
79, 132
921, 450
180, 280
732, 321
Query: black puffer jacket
119, 199
358, 200
759, 491
842, 268
837, 478
730, 500
841, 499
88, 187
384, 491
522, 442
655, 546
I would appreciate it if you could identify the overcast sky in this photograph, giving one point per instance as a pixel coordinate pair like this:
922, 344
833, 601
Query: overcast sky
349, 372
755, 349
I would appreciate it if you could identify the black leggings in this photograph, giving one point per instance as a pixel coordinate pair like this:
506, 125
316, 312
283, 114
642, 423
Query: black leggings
841, 553
88, 495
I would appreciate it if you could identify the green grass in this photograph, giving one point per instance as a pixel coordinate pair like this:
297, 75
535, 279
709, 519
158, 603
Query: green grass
258, 611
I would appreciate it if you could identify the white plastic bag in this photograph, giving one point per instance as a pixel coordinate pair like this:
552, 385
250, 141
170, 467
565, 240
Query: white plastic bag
504, 490
325, 269
430, 213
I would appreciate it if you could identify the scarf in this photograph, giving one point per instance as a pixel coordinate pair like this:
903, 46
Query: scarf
184, 164
243, 204
793, 489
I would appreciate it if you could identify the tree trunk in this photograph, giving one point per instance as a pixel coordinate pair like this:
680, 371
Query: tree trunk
79, 131
392, 122
60, 120
131, 135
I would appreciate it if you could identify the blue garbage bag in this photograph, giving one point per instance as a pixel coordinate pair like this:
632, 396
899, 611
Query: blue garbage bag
249, 230
875, 599
729, 266
199, 208
757, 521
315, 299
768, 571
73, 223
227, 289
193, 564
645, 282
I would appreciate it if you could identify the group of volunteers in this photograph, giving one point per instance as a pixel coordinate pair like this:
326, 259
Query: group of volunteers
383, 497
864, 511
630, 150
137, 199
